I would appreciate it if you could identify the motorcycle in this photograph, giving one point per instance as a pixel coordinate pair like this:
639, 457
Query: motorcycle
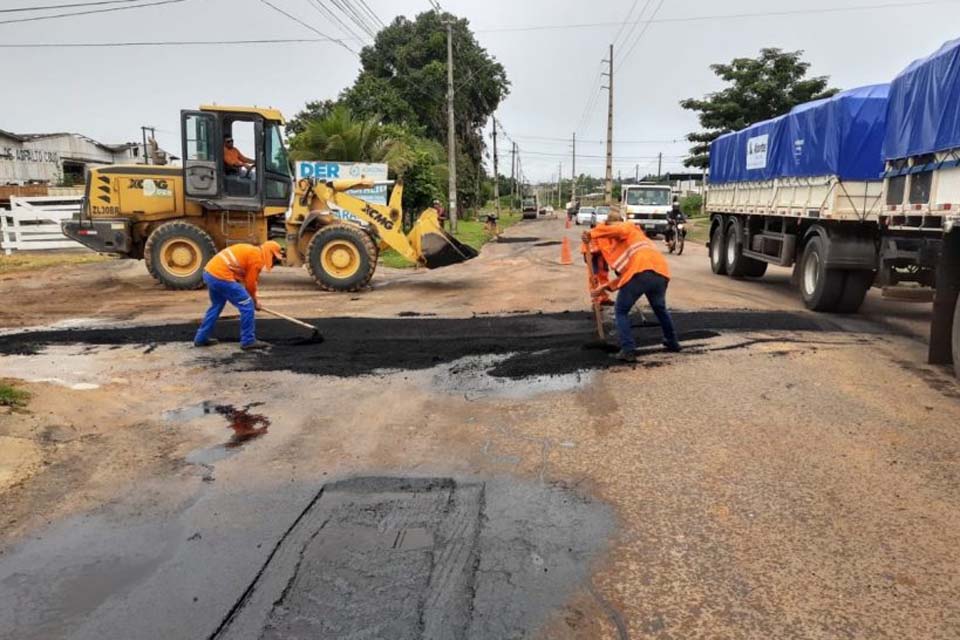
676, 236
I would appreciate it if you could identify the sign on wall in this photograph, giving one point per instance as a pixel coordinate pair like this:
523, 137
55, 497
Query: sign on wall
321, 170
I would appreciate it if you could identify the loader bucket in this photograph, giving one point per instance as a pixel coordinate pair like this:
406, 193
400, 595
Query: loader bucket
437, 247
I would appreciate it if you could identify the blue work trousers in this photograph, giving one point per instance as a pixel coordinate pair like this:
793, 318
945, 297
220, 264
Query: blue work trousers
221, 292
654, 286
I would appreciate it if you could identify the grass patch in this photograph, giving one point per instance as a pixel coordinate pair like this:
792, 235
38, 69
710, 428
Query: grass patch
12, 397
471, 232
29, 261
698, 230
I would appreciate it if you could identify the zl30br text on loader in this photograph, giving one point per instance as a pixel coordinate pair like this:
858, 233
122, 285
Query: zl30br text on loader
177, 218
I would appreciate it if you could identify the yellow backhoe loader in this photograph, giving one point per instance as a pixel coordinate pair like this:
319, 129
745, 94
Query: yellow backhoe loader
177, 218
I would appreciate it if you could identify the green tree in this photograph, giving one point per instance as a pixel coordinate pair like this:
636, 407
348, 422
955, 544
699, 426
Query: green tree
342, 137
759, 88
314, 110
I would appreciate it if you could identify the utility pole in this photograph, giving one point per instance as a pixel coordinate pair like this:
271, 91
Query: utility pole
559, 183
659, 166
496, 171
608, 186
573, 172
451, 131
513, 175
636, 174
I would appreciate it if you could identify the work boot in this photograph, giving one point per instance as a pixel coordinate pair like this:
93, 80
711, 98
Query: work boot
209, 342
256, 345
626, 356
672, 347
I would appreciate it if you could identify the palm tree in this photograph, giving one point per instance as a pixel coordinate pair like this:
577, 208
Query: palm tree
340, 137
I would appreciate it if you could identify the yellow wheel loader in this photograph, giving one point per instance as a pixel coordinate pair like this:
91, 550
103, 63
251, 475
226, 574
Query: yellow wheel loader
177, 218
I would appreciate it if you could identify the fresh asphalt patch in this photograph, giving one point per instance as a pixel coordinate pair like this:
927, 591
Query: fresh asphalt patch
531, 345
422, 558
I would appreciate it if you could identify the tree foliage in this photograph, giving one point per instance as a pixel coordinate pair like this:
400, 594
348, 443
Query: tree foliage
759, 88
402, 89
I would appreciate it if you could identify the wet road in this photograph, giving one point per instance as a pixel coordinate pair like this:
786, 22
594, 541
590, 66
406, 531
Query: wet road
775, 480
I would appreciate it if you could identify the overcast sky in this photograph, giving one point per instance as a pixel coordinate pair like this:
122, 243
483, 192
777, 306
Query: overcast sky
108, 93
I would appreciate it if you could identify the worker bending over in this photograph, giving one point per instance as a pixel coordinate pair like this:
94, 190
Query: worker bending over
642, 271
231, 276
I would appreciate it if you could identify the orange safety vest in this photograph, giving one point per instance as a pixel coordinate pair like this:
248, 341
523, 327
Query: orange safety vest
628, 251
233, 158
238, 263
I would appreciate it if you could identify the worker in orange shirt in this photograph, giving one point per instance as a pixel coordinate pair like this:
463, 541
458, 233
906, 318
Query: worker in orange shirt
231, 276
234, 161
642, 271
600, 273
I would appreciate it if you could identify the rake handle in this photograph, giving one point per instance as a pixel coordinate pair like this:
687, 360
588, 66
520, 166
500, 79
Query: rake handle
288, 318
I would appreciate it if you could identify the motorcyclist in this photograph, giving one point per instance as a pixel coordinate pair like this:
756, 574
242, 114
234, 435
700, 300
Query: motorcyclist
675, 217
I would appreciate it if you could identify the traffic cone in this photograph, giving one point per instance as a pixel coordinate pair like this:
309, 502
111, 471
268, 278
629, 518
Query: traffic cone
565, 256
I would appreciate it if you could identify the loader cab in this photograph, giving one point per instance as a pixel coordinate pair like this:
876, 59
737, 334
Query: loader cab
256, 133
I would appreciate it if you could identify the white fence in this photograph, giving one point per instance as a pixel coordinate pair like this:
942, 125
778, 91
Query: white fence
34, 223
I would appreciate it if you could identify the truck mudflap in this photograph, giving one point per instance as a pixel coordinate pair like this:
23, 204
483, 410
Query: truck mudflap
103, 236
942, 331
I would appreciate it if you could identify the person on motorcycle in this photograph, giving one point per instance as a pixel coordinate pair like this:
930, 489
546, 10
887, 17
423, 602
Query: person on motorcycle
675, 217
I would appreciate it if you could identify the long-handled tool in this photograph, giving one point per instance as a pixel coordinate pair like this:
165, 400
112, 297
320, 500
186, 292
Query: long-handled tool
597, 313
316, 332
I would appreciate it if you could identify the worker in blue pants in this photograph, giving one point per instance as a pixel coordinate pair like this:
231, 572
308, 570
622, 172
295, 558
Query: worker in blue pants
231, 276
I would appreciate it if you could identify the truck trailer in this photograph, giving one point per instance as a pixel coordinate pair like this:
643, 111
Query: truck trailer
861, 189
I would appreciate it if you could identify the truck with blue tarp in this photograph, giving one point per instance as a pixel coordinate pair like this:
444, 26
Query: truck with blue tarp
857, 190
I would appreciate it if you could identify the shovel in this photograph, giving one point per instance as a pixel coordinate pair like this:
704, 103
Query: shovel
315, 335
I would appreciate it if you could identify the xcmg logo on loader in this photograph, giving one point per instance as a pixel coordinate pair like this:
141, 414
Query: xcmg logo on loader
381, 219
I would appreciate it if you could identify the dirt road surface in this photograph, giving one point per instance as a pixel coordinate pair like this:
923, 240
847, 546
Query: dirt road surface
451, 463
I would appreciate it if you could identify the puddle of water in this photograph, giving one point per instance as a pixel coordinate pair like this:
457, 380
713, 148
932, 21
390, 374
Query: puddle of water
246, 426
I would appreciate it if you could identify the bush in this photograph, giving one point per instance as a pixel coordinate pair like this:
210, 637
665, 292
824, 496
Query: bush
691, 205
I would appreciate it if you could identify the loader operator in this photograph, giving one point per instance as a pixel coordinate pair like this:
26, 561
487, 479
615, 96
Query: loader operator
234, 161
642, 271
231, 276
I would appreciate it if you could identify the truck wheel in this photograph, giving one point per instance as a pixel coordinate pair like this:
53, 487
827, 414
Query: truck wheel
739, 265
820, 287
855, 287
341, 257
176, 253
718, 260
956, 339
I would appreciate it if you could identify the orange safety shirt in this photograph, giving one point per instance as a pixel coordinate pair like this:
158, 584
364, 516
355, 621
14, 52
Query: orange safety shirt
628, 251
233, 158
238, 263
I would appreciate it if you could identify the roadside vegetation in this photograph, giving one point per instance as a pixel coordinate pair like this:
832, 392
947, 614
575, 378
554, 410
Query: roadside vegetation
29, 261
12, 397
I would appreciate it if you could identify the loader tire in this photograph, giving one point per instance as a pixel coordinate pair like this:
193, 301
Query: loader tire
176, 253
341, 257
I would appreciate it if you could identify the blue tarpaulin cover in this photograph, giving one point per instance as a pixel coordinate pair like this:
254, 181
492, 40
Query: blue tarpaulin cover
924, 113
840, 136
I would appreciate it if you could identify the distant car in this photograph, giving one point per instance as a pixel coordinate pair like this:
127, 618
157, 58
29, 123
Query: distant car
600, 215
548, 210
585, 215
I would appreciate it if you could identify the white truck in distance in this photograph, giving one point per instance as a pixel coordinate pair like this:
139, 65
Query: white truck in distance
647, 206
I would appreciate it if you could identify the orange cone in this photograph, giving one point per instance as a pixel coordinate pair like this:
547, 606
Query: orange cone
565, 256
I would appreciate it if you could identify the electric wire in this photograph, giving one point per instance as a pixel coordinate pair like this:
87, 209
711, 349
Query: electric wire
89, 12
306, 25
66, 6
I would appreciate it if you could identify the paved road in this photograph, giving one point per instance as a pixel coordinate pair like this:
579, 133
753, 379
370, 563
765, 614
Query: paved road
796, 480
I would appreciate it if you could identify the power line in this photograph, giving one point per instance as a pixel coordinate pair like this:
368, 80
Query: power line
373, 14
304, 24
91, 11
729, 16
349, 11
66, 6
325, 11
566, 141
640, 34
161, 43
